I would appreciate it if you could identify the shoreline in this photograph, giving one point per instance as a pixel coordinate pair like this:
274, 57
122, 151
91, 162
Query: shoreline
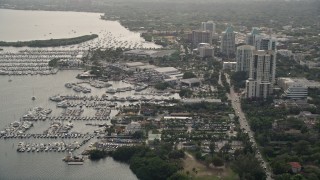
50, 42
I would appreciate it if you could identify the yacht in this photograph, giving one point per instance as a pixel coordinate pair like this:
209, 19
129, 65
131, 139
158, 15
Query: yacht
111, 91
68, 85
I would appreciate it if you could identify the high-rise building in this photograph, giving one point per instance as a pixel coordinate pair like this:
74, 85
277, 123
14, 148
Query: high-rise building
250, 39
261, 74
200, 37
228, 44
208, 26
260, 41
244, 55
265, 43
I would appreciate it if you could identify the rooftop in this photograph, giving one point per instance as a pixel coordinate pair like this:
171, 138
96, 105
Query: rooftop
255, 31
191, 80
295, 164
229, 30
134, 64
166, 69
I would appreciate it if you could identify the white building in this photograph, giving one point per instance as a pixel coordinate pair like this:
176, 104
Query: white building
228, 38
296, 91
208, 26
285, 52
296, 88
263, 42
229, 65
244, 56
167, 70
261, 74
206, 51
197, 37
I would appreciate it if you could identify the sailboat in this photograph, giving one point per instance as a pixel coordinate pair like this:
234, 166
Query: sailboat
9, 79
33, 97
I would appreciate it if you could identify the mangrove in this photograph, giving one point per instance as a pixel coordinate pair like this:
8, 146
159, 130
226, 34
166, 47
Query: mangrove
50, 42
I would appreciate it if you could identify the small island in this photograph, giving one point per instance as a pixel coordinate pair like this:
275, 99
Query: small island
50, 42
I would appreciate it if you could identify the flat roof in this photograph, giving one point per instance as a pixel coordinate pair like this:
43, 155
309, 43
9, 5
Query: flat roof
191, 80
199, 100
148, 67
166, 69
134, 64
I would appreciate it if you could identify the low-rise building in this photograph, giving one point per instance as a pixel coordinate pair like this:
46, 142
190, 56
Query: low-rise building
206, 51
296, 88
229, 65
295, 167
191, 82
133, 127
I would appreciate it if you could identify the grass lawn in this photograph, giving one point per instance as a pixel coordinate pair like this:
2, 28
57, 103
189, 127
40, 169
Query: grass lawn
199, 171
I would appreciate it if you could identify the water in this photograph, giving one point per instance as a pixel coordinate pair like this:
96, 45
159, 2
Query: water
15, 100
20, 25
15, 96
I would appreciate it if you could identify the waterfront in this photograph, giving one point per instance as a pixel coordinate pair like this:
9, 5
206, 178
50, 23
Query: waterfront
40, 25
15, 100
17, 92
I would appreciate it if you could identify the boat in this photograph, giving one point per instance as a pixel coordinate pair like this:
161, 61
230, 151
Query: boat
56, 98
77, 89
140, 87
75, 163
86, 90
68, 85
111, 91
33, 97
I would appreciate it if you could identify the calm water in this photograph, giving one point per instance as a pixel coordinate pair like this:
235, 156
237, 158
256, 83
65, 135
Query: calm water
19, 25
15, 100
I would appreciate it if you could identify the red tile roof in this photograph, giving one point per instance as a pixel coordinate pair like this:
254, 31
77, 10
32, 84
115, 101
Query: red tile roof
295, 164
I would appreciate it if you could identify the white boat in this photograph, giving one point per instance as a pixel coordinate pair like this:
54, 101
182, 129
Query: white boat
75, 163
111, 91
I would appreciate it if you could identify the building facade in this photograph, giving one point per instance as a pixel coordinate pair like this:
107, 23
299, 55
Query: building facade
261, 74
228, 45
251, 37
197, 37
265, 43
208, 26
244, 56
206, 51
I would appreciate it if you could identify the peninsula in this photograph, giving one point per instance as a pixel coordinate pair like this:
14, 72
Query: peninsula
50, 42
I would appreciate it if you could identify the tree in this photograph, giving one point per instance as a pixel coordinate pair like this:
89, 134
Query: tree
188, 75
97, 154
248, 167
162, 85
179, 176
53, 62
138, 135
185, 93
285, 176
280, 167
217, 161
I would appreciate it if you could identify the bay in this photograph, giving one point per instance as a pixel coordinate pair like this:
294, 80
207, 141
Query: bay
22, 25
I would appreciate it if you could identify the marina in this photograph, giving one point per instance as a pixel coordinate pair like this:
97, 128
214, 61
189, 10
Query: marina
32, 123
34, 62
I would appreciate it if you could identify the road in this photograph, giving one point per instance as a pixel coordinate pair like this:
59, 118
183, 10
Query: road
236, 105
